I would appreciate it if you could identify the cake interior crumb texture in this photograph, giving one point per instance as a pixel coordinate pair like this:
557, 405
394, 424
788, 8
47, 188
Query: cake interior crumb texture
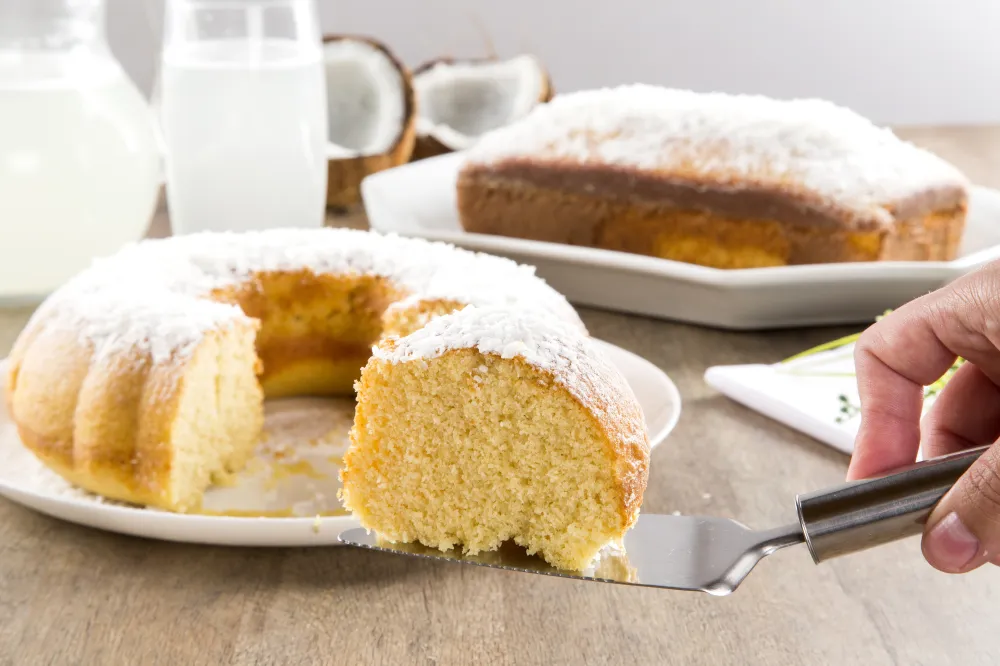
464, 442
219, 415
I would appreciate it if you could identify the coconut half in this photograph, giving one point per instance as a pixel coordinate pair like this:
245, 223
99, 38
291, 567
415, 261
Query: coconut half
371, 112
460, 100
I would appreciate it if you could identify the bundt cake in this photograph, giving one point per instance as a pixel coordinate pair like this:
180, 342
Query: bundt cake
490, 425
143, 377
726, 181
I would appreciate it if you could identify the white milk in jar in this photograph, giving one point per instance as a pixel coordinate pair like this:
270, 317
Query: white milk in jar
79, 167
245, 128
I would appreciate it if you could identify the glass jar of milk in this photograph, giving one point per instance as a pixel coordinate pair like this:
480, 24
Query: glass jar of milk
79, 161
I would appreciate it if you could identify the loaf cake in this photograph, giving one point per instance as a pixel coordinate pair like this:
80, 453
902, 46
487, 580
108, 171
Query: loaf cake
726, 181
490, 425
142, 379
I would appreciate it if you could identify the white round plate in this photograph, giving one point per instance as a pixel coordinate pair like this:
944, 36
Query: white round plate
312, 430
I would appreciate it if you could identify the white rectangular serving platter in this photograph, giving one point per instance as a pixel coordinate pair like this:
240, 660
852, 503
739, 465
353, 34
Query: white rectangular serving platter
418, 199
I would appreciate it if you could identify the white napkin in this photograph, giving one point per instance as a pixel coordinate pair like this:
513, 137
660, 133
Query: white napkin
816, 395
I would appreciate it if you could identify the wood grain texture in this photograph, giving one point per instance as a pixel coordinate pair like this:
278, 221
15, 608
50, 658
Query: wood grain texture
72, 595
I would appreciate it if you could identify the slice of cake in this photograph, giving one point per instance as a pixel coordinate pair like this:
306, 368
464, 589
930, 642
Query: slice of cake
728, 181
490, 425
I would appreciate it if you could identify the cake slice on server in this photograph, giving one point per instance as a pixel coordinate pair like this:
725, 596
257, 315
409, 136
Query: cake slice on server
491, 425
727, 181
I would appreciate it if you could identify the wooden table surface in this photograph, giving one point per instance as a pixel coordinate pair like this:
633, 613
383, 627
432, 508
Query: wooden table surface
72, 595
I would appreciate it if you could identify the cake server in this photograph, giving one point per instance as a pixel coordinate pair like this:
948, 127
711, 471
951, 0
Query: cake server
715, 555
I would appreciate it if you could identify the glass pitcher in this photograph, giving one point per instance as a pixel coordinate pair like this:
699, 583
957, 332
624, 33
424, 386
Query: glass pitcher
79, 159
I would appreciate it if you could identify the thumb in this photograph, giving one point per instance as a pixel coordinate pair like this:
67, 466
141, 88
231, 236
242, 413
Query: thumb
963, 530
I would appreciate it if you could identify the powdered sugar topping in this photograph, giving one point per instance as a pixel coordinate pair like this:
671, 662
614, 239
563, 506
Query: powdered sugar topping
810, 147
152, 295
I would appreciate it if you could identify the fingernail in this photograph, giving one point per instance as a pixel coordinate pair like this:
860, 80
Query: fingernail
950, 545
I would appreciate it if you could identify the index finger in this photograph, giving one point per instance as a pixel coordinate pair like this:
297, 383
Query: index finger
894, 359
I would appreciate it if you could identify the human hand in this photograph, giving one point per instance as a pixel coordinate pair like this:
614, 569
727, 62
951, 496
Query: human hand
910, 348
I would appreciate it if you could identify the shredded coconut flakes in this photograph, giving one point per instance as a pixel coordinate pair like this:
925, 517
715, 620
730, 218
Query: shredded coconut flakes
151, 296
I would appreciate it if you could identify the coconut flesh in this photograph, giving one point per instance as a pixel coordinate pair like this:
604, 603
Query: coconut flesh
461, 101
366, 99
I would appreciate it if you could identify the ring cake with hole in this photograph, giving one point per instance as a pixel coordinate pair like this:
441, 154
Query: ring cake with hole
727, 181
142, 379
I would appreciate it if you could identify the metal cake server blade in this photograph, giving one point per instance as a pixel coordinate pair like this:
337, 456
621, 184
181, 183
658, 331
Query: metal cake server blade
715, 555
712, 555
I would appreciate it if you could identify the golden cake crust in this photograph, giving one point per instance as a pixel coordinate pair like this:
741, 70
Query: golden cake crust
526, 207
107, 427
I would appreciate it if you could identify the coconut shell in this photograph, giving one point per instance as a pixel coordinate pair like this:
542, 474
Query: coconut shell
428, 146
344, 175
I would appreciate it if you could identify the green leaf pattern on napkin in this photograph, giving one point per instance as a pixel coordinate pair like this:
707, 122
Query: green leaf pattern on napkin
849, 409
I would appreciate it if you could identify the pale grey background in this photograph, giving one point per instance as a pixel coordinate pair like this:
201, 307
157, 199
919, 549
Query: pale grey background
896, 61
